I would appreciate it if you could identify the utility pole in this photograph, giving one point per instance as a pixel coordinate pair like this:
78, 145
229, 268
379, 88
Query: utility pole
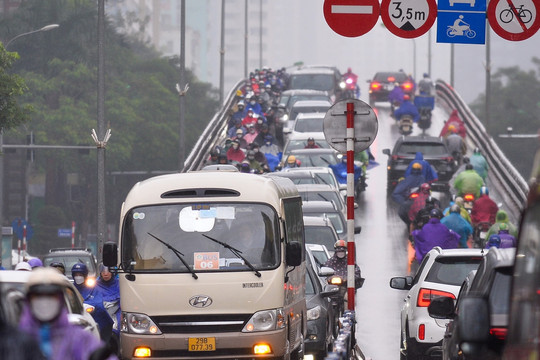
246, 39
260, 34
101, 218
222, 55
182, 88
488, 78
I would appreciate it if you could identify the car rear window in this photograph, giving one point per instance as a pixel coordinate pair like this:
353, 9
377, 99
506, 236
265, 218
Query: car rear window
384, 77
452, 270
324, 82
321, 235
499, 298
309, 125
306, 109
431, 149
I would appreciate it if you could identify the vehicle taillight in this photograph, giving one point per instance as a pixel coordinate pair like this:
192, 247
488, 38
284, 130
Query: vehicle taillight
391, 79
413, 196
375, 85
499, 333
422, 331
407, 86
468, 197
426, 295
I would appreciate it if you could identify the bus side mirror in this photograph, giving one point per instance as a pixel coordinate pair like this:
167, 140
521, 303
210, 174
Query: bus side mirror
293, 253
110, 254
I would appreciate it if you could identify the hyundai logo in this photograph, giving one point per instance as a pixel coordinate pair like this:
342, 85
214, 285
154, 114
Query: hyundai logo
200, 301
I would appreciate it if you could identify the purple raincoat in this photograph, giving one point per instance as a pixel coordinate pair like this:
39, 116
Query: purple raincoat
68, 341
433, 234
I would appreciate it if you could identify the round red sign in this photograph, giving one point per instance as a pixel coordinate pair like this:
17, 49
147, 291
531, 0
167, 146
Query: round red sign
514, 20
351, 18
408, 19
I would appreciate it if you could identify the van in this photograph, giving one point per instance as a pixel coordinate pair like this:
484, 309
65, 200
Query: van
212, 265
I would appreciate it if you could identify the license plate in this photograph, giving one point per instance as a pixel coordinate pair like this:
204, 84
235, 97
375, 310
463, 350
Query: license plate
202, 344
483, 234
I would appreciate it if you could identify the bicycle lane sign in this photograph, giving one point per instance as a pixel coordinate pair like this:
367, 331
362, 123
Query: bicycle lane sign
461, 21
514, 20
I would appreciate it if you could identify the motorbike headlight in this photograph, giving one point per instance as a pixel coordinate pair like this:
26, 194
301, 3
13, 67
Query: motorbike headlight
342, 85
284, 118
314, 313
266, 320
134, 323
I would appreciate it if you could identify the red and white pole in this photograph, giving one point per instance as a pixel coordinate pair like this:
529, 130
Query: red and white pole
350, 205
24, 238
72, 234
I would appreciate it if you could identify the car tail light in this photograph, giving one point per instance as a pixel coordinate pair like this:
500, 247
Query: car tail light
397, 157
375, 85
426, 295
499, 333
422, 332
468, 197
407, 86
391, 79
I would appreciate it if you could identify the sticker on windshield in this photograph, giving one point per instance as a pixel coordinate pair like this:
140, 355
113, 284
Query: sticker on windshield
206, 260
138, 216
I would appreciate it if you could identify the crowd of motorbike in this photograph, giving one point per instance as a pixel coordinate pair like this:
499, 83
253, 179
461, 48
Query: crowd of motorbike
470, 219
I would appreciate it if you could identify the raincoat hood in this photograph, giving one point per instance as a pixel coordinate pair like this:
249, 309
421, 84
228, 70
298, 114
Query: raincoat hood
419, 156
501, 216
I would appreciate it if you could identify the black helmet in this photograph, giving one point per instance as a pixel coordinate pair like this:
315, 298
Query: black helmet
79, 268
469, 167
466, 160
436, 213
430, 200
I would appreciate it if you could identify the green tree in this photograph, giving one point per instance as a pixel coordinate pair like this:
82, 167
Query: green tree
12, 86
514, 103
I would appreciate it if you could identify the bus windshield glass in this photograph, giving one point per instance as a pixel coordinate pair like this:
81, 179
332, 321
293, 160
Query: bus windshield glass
203, 237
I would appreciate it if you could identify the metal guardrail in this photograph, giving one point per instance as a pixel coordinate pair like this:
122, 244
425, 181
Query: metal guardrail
513, 189
214, 132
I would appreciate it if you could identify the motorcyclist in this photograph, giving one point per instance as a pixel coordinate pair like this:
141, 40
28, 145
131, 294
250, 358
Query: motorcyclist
240, 139
254, 104
45, 318
259, 139
251, 134
484, 208
250, 118
395, 96
407, 108
502, 218
92, 296
479, 163
340, 171
468, 182
423, 215
259, 156
507, 240
58, 265
455, 120
401, 192
433, 234
237, 125
455, 144
352, 83
426, 86
429, 172
235, 154
463, 212
311, 144
35, 263
454, 221
109, 286
253, 163
271, 152
419, 202
292, 162
458, 28
240, 113
338, 262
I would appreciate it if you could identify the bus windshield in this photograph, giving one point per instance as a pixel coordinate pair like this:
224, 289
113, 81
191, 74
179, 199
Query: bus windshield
195, 238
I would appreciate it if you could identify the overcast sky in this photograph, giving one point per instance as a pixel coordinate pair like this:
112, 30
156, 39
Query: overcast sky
304, 35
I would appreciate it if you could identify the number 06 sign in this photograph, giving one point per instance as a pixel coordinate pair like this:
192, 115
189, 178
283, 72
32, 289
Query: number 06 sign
408, 18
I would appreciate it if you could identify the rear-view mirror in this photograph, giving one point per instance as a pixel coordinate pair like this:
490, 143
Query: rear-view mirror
401, 282
293, 255
110, 254
386, 152
326, 271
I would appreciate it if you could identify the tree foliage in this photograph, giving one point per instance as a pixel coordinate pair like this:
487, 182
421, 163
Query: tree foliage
514, 102
141, 102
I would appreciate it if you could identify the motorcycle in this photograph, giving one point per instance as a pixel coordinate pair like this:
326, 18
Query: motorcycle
393, 106
405, 124
468, 32
425, 105
348, 88
339, 301
479, 234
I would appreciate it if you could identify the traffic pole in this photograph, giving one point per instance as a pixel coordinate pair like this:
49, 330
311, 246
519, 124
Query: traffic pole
24, 238
350, 205
72, 234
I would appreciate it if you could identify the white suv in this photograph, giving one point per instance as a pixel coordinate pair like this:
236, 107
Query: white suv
441, 273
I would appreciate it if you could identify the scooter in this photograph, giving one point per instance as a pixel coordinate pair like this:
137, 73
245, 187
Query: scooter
468, 202
405, 124
479, 234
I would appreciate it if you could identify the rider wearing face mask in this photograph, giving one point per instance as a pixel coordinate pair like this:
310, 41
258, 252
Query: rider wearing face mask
92, 296
338, 262
45, 318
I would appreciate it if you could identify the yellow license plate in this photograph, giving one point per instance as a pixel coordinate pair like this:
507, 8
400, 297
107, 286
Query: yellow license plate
202, 344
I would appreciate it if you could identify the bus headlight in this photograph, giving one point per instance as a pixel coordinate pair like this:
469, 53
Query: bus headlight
133, 323
265, 320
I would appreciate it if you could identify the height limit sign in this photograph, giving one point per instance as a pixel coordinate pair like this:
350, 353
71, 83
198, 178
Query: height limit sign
408, 18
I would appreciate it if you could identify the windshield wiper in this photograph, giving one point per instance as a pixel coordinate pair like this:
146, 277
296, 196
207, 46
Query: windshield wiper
178, 255
236, 252
322, 196
322, 179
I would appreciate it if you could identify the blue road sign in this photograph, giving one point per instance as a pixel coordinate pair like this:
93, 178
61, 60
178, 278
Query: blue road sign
461, 21
461, 28
64, 232
18, 228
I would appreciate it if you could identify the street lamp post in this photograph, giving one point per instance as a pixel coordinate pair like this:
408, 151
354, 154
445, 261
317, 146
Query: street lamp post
45, 28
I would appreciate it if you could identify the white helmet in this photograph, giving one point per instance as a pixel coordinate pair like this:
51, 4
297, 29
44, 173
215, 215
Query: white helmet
46, 281
24, 266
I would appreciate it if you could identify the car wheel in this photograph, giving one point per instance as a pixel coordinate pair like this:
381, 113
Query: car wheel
412, 351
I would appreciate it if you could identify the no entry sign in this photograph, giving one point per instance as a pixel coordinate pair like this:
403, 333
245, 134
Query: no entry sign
408, 19
514, 19
351, 18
